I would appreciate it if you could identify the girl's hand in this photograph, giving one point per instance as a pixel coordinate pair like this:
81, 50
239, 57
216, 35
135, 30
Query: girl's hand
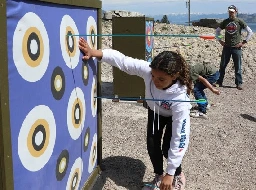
85, 48
166, 183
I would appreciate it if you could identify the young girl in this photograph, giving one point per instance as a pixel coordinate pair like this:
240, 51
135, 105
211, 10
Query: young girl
166, 78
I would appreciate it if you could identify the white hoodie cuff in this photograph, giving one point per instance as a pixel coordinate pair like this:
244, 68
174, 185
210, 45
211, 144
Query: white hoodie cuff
170, 170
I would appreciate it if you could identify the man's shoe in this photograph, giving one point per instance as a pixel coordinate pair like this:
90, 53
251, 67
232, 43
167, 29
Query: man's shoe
239, 87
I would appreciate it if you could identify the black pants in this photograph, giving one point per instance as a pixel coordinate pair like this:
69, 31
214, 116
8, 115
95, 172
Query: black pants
155, 151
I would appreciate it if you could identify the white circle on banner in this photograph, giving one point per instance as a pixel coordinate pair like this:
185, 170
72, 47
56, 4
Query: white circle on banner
36, 138
93, 154
31, 48
76, 113
69, 44
93, 95
75, 175
92, 30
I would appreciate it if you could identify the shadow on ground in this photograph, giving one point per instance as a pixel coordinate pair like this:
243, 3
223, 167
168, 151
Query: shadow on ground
249, 117
123, 171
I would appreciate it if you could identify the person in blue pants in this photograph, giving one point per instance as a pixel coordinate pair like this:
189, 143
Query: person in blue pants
232, 45
203, 76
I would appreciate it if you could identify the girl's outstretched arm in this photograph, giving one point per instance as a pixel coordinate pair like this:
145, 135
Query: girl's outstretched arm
88, 52
115, 58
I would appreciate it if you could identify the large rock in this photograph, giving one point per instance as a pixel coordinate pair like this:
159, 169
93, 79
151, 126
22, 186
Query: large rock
210, 23
109, 14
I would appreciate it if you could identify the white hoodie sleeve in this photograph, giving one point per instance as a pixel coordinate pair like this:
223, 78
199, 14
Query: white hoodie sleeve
249, 33
180, 137
127, 64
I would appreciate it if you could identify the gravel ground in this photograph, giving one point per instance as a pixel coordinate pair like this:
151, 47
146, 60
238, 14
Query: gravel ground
222, 151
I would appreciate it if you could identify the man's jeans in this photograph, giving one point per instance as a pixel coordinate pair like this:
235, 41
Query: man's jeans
199, 90
237, 58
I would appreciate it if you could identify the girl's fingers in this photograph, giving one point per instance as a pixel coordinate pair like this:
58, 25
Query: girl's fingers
86, 57
82, 39
83, 46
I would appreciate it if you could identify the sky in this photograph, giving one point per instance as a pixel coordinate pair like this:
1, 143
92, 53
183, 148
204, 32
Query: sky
160, 7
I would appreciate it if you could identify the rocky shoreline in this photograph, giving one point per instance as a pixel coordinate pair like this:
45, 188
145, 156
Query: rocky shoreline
195, 50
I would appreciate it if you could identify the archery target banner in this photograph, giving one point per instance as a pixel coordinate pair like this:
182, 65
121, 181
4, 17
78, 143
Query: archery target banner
53, 112
149, 40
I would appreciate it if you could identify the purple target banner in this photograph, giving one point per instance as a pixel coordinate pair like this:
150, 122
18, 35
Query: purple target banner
51, 92
149, 40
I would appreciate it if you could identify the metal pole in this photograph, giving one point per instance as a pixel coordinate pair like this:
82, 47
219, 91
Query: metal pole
189, 12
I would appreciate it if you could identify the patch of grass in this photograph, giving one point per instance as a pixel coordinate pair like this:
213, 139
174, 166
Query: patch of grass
164, 28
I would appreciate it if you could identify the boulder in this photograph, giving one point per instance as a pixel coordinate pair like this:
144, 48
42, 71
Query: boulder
206, 22
116, 13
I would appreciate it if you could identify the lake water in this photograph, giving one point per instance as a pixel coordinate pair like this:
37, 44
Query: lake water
252, 26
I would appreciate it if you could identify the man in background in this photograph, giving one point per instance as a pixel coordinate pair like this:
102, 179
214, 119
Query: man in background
232, 45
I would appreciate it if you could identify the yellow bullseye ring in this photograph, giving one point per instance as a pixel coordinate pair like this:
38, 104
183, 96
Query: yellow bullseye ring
75, 110
58, 82
31, 62
31, 148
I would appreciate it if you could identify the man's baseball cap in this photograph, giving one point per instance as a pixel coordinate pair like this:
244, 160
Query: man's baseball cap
232, 8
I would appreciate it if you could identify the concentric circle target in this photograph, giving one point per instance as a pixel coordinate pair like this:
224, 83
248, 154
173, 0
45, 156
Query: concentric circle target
85, 73
94, 94
93, 154
62, 165
69, 44
31, 47
86, 139
149, 39
148, 56
75, 175
58, 83
36, 139
91, 30
76, 113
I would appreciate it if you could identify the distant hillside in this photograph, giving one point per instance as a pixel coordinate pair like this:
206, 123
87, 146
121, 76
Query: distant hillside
182, 18
248, 18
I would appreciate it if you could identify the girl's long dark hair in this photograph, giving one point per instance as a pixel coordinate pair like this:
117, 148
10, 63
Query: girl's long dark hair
171, 63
